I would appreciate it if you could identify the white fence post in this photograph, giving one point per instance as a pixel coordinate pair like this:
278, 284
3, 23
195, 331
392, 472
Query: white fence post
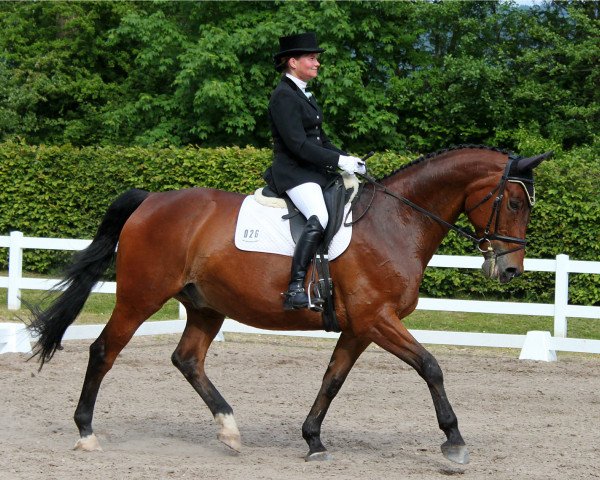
561, 295
15, 270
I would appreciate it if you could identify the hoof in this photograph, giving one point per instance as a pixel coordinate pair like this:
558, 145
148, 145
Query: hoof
228, 431
456, 453
88, 444
232, 441
318, 457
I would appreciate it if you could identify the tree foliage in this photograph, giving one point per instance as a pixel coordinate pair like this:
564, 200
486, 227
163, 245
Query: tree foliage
411, 76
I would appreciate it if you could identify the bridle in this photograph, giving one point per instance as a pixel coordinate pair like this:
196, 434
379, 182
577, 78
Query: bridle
488, 236
488, 233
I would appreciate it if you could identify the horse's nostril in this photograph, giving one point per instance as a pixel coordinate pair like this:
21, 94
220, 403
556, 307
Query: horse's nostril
507, 274
512, 272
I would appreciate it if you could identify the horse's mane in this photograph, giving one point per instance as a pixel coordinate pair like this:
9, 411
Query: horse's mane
429, 156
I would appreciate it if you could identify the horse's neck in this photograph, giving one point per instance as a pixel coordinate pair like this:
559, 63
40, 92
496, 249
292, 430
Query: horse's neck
439, 185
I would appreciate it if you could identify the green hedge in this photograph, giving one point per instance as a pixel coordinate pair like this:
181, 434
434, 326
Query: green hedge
64, 192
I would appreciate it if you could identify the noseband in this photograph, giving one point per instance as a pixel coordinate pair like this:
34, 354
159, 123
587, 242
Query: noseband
488, 234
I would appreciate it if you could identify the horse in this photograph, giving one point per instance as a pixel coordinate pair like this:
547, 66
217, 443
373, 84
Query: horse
179, 244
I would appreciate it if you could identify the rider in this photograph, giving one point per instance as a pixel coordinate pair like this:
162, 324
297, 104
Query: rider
304, 158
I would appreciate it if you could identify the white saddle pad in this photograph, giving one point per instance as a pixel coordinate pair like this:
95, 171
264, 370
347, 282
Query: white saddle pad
261, 229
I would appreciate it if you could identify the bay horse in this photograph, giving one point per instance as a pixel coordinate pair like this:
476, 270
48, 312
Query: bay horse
180, 244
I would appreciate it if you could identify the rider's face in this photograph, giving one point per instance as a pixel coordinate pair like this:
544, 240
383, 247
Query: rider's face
305, 67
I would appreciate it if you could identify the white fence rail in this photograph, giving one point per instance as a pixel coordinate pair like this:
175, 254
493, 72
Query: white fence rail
536, 345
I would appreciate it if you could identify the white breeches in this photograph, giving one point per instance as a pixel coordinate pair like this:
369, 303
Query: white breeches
308, 198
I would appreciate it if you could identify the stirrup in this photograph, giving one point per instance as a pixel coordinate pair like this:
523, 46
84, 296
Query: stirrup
316, 302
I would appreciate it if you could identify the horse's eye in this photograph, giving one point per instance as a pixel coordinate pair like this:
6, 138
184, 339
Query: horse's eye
514, 204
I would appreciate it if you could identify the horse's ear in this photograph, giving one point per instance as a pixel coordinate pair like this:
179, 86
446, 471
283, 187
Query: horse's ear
528, 164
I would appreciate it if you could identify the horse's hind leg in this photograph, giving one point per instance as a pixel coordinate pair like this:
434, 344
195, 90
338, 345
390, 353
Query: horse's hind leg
393, 336
189, 356
118, 331
347, 351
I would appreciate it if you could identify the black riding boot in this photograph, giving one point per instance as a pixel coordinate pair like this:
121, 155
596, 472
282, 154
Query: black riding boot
305, 250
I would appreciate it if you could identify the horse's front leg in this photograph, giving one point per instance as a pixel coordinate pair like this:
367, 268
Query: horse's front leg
347, 351
392, 335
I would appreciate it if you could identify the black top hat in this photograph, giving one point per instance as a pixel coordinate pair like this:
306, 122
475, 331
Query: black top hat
296, 44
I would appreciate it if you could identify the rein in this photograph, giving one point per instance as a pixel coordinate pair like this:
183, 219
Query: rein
487, 235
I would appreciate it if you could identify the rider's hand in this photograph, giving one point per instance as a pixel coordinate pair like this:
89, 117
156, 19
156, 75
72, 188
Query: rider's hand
361, 167
351, 164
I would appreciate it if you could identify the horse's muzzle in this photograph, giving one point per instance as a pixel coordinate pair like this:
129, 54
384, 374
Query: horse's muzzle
500, 268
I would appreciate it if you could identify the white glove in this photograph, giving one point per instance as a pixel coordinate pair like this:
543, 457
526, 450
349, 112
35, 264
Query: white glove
361, 167
351, 164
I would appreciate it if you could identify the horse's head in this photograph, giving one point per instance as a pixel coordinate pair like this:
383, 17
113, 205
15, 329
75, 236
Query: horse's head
499, 210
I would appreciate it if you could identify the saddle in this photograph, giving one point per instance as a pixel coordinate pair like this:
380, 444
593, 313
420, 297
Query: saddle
337, 193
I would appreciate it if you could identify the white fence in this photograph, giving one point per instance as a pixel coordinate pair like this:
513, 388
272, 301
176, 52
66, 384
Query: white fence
534, 345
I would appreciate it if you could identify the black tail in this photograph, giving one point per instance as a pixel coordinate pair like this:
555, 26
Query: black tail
80, 276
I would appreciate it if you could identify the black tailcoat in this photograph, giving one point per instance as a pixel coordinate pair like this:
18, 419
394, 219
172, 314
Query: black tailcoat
302, 151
